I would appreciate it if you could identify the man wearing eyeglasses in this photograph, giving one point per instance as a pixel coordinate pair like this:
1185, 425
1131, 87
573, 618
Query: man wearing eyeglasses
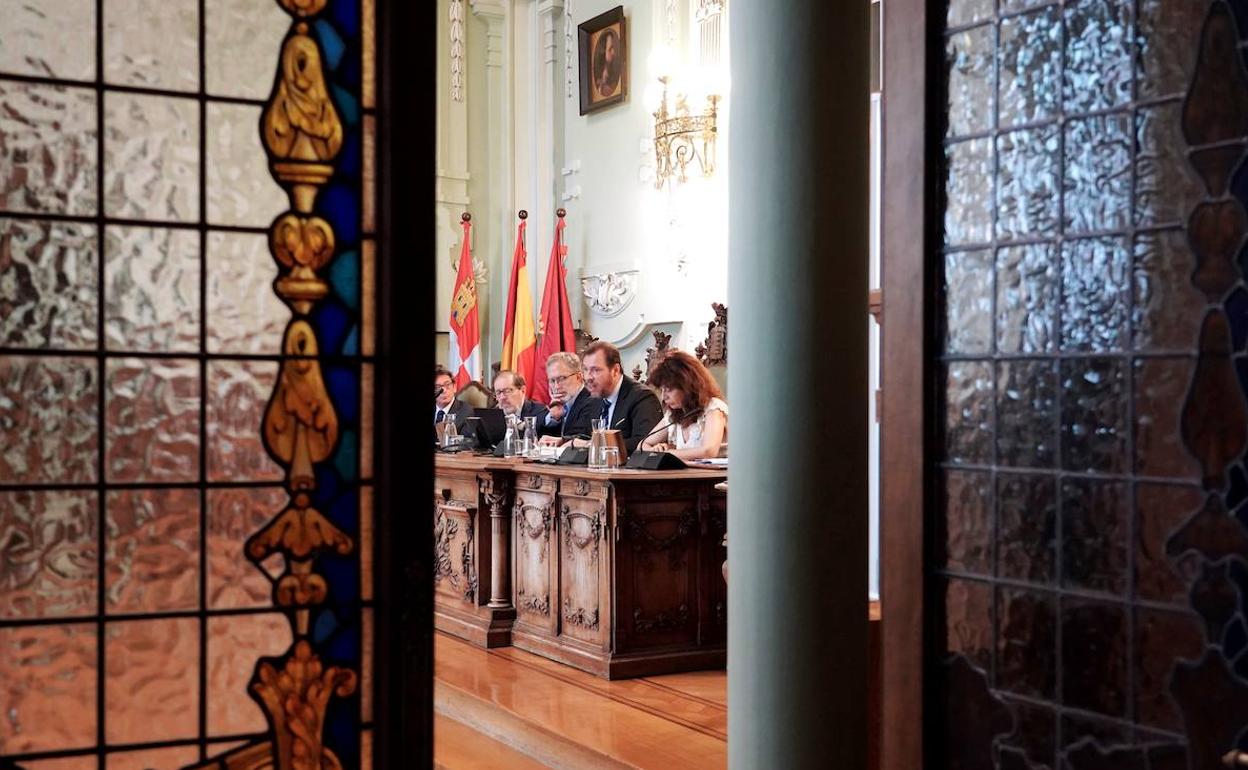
445, 405
512, 395
572, 408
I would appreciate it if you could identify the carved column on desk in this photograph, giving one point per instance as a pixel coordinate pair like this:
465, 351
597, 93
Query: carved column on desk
496, 489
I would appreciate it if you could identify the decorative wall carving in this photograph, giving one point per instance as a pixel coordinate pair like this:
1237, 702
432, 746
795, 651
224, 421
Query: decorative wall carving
607, 294
714, 350
458, 69
569, 50
662, 343
583, 339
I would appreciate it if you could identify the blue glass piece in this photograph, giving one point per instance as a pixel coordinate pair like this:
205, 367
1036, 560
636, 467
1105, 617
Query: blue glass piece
351, 346
346, 456
326, 624
344, 277
339, 203
344, 646
331, 321
350, 159
348, 107
332, 45
1235, 640
344, 390
346, 17
349, 74
343, 577
329, 487
344, 512
342, 729
1237, 312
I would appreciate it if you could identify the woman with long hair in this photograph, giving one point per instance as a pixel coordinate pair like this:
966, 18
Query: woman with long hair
696, 416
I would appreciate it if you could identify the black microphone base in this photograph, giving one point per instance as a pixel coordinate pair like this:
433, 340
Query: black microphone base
654, 461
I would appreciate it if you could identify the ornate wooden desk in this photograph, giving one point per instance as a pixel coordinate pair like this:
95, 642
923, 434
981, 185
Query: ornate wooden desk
617, 574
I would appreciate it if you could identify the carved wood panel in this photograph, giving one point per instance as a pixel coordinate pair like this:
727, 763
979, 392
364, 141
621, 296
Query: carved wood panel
534, 529
657, 570
454, 530
581, 523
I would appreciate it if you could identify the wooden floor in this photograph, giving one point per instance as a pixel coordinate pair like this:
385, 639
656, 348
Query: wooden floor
505, 708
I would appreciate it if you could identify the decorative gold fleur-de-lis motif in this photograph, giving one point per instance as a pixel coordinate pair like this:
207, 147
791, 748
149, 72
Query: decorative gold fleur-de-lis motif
302, 245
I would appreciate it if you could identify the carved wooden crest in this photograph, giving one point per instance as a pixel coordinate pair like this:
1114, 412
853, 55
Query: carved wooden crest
714, 351
662, 344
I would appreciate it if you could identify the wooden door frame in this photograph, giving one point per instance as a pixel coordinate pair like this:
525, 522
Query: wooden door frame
906, 235
403, 551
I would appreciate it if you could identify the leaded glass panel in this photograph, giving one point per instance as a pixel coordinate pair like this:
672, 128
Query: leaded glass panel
1090, 522
158, 349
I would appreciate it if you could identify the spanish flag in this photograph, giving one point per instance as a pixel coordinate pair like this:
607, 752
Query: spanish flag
465, 347
556, 322
519, 335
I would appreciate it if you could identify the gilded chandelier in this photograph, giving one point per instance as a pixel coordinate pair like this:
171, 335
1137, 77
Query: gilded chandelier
681, 137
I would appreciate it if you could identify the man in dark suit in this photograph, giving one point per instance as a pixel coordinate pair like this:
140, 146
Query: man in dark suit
512, 393
445, 406
571, 405
626, 405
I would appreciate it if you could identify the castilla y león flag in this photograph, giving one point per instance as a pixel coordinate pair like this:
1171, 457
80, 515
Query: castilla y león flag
519, 336
556, 324
465, 352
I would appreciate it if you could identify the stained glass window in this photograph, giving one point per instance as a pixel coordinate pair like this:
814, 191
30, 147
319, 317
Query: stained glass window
186, 380
1091, 386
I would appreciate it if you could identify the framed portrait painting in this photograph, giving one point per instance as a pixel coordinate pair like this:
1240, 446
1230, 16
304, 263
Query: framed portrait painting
603, 47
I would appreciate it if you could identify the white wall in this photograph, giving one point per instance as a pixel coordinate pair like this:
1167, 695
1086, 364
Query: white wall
597, 166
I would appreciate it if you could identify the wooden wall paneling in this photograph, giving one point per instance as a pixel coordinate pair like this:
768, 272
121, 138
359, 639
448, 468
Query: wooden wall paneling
905, 234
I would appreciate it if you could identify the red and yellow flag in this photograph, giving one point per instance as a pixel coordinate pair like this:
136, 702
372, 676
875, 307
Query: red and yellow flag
519, 335
556, 323
465, 347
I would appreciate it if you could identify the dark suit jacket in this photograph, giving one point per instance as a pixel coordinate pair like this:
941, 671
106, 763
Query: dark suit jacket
459, 410
636, 414
534, 409
577, 419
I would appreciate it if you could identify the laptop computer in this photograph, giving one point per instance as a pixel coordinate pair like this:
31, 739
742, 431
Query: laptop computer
487, 426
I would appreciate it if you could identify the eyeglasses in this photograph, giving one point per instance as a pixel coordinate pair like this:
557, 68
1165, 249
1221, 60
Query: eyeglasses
505, 392
561, 379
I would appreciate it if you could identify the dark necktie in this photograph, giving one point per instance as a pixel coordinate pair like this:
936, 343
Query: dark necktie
606, 409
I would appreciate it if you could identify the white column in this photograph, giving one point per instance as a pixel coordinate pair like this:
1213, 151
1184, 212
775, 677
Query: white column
451, 181
797, 272
500, 218
549, 133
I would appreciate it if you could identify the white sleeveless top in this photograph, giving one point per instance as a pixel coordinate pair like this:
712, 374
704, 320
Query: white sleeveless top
685, 437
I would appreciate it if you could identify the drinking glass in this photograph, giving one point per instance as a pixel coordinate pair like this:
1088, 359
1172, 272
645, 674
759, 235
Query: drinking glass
597, 442
610, 458
450, 434
529, 440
